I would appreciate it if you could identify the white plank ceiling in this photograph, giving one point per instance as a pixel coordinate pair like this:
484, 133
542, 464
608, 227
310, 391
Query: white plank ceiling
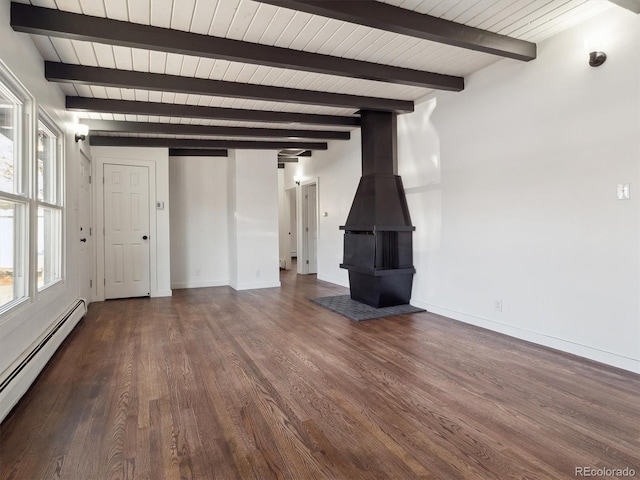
250, 21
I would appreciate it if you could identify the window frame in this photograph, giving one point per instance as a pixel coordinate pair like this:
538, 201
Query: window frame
17, 93
44, 120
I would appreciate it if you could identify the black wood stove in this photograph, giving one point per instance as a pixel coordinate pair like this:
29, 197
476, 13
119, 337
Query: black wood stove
378, 248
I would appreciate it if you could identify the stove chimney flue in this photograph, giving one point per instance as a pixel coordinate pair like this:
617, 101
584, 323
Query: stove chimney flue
379, 134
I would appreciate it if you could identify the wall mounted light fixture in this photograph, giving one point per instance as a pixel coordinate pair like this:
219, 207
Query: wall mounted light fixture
597, 58
81, 132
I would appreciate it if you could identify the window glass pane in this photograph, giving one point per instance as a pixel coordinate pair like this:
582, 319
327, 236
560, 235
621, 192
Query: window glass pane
49, 246
47, 166
13, 244
9, 146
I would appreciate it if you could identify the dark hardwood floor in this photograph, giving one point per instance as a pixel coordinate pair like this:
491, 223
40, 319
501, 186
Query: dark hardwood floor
218, 384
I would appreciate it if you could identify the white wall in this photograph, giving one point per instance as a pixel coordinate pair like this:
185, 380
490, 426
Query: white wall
199, 233
157, 159
283, 222
253, 226
511, 185
23, 327
232, 224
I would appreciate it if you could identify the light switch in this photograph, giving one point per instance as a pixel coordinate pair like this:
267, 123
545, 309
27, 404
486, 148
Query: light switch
160, 205
623, 191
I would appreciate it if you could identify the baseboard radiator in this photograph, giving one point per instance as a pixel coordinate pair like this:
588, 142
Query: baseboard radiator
20, 376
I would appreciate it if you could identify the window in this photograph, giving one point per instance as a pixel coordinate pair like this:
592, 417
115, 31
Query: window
49, 204
10, 145
31, 193
14, 199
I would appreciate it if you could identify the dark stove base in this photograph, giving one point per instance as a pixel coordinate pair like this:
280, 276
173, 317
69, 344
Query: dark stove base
358, 312
381, 291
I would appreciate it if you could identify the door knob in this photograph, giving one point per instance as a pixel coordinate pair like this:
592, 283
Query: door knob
144, 237
83, 239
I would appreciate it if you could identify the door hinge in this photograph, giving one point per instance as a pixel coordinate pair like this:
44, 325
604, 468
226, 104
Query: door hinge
307, 262
104, 282
307, 229
89, 179
90, 283
306, 197
90, 231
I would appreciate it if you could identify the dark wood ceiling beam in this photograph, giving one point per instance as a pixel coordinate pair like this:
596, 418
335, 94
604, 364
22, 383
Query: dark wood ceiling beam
182, 129
287, 159
631, 5
198, 152
56, 23
400, 20
103, 105
108, 77
101, 141
285, 153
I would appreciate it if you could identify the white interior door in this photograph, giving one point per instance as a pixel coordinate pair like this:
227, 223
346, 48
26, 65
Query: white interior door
312, 230
86, 238
126, 224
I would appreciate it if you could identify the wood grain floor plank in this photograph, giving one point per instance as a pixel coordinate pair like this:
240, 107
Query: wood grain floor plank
263, 384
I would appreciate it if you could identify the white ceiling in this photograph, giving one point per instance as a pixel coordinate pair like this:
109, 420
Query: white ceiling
250, 21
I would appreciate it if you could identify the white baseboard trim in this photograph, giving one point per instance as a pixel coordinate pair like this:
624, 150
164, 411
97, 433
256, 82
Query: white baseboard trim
161, 293
585, 351
17, 379
255, 286
334, 280
200, 284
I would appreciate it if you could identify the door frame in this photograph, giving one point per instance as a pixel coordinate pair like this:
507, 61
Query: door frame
100, 244
302, 220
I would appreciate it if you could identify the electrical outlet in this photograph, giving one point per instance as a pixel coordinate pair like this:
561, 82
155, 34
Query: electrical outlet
497, 305
623, 191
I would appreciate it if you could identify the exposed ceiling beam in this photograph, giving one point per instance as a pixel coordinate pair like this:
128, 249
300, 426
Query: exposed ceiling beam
182, 129
400, 20
198, 152
108, 77
57, 23
287, 159
631, 5
84, 104
287, 153
100, 141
